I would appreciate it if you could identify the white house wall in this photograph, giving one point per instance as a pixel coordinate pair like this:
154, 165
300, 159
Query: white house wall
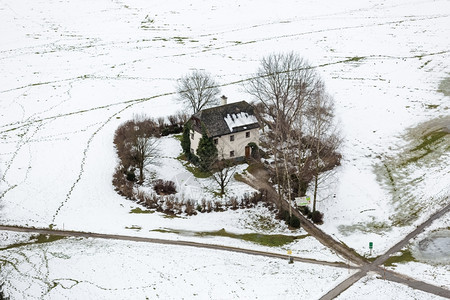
225, 146
194, 141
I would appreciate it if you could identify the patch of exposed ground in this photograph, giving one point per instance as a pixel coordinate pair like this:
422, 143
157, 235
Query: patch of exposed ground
427, 152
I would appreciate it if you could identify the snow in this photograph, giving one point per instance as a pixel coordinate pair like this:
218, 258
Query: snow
73, 71
99, 269
239, 119
431, 254
372, 286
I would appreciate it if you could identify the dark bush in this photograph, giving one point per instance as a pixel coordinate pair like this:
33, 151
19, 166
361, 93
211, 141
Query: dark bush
171, 129
304, 210
194, 159
287, 217
218, 206
163, 187
317, 217
294, 222
131, 176
2, 293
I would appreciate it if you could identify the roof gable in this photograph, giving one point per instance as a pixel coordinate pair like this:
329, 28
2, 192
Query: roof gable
226, 119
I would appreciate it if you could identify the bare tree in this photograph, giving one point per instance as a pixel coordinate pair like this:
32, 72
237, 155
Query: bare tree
136, 143
143, 152
298, 113
197, 90
283, 86
324, 139
223, 171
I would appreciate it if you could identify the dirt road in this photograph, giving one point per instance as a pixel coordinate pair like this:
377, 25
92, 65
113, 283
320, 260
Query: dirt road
258, 181
70, 233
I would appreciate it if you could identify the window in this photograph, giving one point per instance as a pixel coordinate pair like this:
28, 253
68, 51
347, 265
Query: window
231, 138
247, 134
192, 136
216, 141
231, 153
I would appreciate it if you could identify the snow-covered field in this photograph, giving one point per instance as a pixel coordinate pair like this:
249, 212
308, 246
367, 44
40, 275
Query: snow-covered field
72, 71
374, 286
95, 269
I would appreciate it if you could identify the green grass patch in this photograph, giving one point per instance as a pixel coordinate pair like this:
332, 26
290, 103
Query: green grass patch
430, 139
238, 177
172, 216
39, 239
136, 227
179, 39
428, 145
47, 238
271, 240
138, 210
389, 175
355, 58
372, 259
444, 86
197, 172
191, 168
182, 157
254, 167
368, 227
406, 256
166, 231
178, 136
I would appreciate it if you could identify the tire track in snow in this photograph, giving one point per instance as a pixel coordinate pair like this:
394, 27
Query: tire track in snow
305, 33
23, 141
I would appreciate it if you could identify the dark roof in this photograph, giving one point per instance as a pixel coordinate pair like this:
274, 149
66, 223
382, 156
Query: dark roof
214, 119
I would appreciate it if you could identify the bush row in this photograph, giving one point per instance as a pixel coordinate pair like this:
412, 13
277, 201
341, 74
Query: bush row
315, 216
292, 221
175, 205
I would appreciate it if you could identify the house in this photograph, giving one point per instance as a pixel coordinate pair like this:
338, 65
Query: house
231, 126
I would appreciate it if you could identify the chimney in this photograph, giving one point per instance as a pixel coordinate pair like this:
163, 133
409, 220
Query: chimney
223, 100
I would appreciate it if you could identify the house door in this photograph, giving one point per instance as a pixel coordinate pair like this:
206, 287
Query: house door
247, 152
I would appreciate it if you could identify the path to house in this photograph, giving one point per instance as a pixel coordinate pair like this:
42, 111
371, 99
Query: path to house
259, 180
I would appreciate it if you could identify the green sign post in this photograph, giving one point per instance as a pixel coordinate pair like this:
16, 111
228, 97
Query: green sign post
370, 247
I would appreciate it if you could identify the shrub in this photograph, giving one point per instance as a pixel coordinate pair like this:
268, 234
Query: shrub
151, 201
163, 187
189, 210
193, 158
203, 204
126, 190
305, 210
317, 217
208, 206
218, 206
294, 222
131, 176
171, 129
234, 203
